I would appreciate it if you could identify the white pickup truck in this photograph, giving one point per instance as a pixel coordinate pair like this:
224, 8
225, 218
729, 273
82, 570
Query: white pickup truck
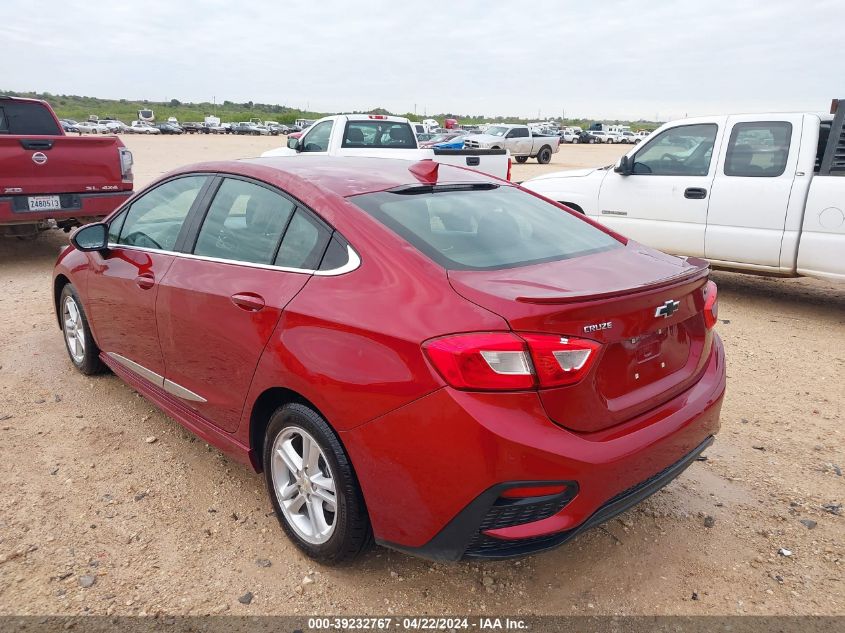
519, 140
749, 192
377, 135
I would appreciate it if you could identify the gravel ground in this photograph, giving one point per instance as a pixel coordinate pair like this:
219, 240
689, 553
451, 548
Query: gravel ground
110, 507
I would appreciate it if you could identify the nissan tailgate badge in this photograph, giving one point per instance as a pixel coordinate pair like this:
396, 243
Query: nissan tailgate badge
667, 309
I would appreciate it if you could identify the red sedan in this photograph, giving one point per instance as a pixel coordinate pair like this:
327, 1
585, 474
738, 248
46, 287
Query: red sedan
414, 353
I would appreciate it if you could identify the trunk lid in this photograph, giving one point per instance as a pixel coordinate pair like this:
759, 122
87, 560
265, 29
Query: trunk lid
62, 164
647, 356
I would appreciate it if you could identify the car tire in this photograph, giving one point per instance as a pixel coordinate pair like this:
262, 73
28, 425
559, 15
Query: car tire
79, 342
575, 141
329, 536
544, 156
520, 159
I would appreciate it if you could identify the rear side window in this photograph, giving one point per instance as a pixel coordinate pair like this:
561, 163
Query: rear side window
26, 117
361, 134
462, 228
244, 223
758, 149
155, 219
304, 242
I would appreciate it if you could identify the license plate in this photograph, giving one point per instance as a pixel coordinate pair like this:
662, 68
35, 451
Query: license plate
44, 203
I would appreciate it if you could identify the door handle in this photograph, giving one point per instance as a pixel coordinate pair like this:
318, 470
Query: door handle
248, 301
695, 193
145, 280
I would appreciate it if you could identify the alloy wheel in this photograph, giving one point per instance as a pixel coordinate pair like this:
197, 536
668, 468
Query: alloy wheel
304, 485
74, 329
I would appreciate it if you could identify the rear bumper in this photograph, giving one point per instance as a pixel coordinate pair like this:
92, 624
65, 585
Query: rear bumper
451, 454
14, 209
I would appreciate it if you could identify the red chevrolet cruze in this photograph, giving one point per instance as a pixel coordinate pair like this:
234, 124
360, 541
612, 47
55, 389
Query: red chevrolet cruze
423, 355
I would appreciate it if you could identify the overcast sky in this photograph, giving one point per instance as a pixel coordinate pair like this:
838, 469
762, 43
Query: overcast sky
608, 59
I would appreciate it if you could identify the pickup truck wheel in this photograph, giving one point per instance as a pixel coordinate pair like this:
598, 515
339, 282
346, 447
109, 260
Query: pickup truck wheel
520, 159
83, 351
544, 157
313, 486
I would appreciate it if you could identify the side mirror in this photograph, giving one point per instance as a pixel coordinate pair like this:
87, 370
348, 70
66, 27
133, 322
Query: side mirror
293, 143
625, 166
91, 237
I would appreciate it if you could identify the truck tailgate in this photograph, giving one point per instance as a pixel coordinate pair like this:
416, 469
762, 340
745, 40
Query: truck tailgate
493, 162
60, 164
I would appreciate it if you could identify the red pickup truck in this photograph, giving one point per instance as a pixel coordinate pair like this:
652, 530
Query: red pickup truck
48, 178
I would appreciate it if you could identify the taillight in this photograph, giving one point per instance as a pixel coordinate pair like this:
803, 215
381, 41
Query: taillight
510, 164
126, 162
560, 360
492, 360
711, 305
502, 361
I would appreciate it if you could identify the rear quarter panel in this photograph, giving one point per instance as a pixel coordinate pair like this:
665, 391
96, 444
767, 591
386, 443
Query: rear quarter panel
821, 251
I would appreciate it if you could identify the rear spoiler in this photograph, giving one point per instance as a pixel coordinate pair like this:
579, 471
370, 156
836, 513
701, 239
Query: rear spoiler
833, 161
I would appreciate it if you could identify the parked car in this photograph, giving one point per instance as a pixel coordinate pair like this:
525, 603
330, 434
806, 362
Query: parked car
294, 128
384, 136
49, 177
595, 136
195, 127
641, 136
519, 140
142, 127
278, 128
422, 138
69, 125
440, 138
245, 127
536, 376
168, 128
569, 136
92, 127
628, 137
456, 142
113, 126
752, 192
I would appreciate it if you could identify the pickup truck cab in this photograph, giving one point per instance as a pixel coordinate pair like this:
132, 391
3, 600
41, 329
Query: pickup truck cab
519, 140
749, 192
382, 136
48, 178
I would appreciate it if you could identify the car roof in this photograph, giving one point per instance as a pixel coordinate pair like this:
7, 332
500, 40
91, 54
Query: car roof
305, 177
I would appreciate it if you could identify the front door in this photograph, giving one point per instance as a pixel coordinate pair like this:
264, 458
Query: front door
219, 304
663, 203
752, 190
124, 281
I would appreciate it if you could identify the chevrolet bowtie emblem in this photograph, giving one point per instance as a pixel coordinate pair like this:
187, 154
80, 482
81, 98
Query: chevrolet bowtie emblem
667, 309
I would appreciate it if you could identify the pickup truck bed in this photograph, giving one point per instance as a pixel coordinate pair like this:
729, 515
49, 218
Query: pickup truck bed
46, 176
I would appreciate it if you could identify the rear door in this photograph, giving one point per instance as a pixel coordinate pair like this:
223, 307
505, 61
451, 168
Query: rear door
254, 250
664, 202
752, 189
123, 283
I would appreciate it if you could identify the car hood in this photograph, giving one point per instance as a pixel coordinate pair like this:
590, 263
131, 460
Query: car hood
569, 173
485, 138
279, 151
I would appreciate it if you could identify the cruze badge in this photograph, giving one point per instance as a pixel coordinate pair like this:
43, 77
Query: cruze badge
595, 327
667, 309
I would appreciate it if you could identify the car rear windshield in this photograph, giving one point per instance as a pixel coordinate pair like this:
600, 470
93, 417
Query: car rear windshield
464, 227
25, 117
364, 134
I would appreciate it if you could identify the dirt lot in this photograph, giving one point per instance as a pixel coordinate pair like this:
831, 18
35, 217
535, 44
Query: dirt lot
172, 526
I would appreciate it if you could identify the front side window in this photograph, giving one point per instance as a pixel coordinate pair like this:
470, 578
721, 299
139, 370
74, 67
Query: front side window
758, 149
155, 219
244, 223
317, 139
685, 150
466, 228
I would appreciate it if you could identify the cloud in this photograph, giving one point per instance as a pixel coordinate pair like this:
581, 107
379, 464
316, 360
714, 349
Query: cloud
605, 60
